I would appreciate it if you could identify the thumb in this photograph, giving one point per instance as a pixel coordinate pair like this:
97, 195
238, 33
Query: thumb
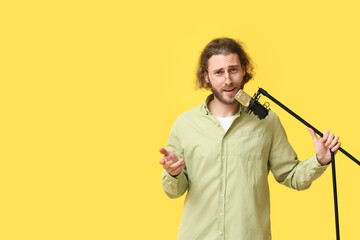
313, 134
163, 151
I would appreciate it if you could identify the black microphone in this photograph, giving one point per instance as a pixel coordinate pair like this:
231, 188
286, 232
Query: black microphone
252, 104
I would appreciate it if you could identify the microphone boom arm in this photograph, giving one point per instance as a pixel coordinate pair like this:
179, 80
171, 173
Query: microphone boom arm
265, 93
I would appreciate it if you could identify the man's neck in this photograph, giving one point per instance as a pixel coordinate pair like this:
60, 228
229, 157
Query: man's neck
220, 109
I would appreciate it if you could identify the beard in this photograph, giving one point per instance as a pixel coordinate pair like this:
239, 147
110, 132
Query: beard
218, 95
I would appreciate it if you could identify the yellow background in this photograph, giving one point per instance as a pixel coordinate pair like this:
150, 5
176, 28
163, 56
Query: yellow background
89, 91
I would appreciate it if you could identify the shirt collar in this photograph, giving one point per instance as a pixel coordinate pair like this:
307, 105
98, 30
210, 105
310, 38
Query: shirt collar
208, 100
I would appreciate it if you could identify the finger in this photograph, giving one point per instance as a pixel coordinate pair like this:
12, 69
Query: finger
325, 136
173, 165
178, 169
177, 164
163, 151
313, 134
167, 165
336, 148
329, 140
162, 161
334, 142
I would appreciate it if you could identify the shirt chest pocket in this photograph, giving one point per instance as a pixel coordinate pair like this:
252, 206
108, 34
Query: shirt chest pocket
250, 145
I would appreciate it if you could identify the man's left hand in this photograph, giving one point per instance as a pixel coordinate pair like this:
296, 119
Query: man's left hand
324, 144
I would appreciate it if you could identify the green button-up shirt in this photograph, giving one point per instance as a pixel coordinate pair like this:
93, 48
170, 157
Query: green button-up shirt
226, 173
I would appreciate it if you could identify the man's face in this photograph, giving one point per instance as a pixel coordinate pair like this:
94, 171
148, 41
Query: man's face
225, 77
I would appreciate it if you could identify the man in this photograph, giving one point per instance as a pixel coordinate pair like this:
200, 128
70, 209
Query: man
222, 156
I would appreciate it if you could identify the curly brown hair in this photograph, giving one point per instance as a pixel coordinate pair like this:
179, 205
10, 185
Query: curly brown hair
223, 46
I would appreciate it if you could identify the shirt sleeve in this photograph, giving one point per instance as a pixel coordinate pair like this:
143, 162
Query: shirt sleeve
286, 167
175, 187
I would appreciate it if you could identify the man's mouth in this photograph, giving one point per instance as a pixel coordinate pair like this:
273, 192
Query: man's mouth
229, 90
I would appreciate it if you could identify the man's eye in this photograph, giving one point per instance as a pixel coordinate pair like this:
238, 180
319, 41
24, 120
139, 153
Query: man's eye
234, 70
218, 72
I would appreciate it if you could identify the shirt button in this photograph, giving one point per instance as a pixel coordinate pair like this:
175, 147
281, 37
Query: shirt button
221, 233
223, 157
222, 175
221, 214
222, 195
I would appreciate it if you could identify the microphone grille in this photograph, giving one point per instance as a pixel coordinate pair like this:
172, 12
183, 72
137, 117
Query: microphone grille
243, 98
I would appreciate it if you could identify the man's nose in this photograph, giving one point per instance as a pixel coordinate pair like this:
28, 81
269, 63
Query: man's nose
227, 78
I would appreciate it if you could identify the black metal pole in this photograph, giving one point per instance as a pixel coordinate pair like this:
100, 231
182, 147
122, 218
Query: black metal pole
335, 196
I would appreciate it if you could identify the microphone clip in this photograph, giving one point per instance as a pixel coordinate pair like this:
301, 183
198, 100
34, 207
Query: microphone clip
261, 111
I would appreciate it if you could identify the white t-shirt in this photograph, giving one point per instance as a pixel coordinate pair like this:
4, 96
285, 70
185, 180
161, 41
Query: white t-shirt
225, 122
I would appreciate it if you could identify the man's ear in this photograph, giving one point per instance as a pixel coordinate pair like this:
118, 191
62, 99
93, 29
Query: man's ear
243, 71
206, 77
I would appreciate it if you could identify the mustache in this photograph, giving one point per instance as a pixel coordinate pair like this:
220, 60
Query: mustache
227, 87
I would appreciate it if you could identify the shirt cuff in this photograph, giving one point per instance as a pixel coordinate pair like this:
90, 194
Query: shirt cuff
176, 178
315, 162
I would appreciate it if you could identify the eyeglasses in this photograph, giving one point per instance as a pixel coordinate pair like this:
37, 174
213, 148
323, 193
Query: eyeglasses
220, 75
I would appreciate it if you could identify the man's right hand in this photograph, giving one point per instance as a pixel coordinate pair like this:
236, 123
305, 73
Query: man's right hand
171, 163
